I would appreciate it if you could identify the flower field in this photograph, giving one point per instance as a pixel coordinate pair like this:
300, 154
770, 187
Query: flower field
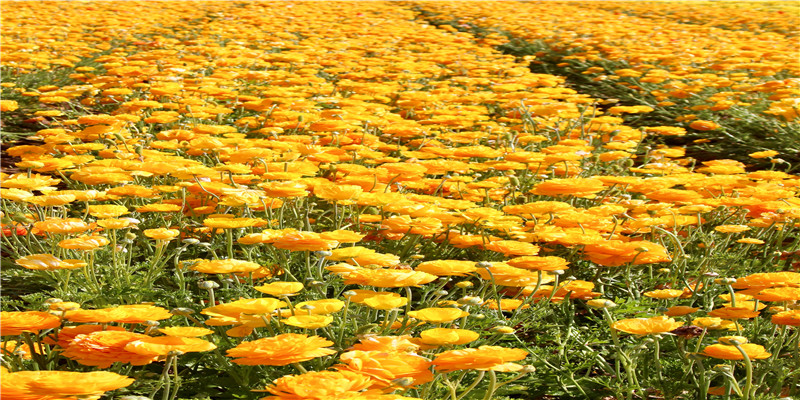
400, 200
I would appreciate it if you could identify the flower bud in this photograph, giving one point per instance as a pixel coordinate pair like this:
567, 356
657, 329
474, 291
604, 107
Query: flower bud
601, 303
181, 311
208, 285
470, 301
505, 330
403, 382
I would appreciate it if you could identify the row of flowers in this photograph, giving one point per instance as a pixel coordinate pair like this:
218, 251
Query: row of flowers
409, 200
704, 69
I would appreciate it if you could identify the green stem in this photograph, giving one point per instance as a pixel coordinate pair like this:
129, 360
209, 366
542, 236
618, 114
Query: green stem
492, 385
472, 386
748, 365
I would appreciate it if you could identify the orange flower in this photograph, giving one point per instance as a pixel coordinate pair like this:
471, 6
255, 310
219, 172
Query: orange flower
15, 348
232, 223
283, 349
104, 348
48, 262
16, 322
779, 294
284, 189
226, 266
548, 263
714, 323
60, 384
320, 385
384, 367
51, 200
507, 304
727, 352
702, 125
66, 334
731, 228
513, 248
61, 226
763, 280
613, 253
646, 326
447, 267
482, 358
185, 331
579, 187
163, 345
664, 294
342, 236
158, 208
8, 105
790, 317
304, 241
337, 192
386, 278
677, 311
734, 313
32, 182
163, 234
85, 243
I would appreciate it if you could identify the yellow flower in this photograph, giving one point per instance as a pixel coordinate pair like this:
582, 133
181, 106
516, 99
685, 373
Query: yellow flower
85, 243
280, 288
107, 211
646, 326
445, 336
283, 349
48, 262
321, 385
163, 234
481, 358
438, 315
308, 321
385, 301
226, 266
60, 384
